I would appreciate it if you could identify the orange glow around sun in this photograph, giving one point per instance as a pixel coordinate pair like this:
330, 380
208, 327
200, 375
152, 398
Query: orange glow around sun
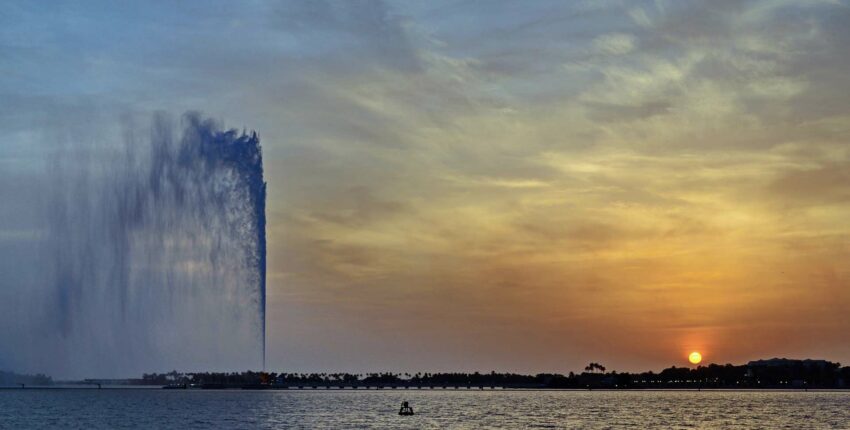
695, 357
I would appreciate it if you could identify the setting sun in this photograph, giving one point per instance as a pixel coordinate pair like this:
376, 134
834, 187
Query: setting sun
695, 357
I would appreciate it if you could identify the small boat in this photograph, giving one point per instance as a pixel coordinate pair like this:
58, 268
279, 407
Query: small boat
405, 409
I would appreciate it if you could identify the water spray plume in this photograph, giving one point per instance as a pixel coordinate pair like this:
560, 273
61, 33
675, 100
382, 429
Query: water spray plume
157, 258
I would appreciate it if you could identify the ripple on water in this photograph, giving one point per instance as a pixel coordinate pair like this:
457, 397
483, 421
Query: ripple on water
108, 409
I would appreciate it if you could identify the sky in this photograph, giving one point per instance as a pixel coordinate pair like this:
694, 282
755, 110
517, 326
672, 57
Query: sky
483, 185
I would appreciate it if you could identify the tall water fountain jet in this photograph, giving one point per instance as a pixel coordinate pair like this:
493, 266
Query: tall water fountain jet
156, 252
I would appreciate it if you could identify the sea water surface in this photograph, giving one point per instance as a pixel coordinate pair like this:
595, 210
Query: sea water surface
437, 409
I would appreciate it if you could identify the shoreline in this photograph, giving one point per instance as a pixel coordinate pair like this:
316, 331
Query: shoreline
82, 387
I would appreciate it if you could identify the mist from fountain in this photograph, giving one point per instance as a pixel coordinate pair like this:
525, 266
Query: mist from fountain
155, 254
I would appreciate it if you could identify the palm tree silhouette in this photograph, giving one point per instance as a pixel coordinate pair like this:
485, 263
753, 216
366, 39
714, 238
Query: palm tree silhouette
592, 367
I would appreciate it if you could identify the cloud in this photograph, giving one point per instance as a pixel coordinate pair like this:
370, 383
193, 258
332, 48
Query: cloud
614, 44
824, 185
608, 112
364, 32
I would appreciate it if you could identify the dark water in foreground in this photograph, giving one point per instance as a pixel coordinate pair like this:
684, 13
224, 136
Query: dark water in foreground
236, 409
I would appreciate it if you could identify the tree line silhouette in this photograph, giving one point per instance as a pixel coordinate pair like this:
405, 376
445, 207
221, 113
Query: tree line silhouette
776, 373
